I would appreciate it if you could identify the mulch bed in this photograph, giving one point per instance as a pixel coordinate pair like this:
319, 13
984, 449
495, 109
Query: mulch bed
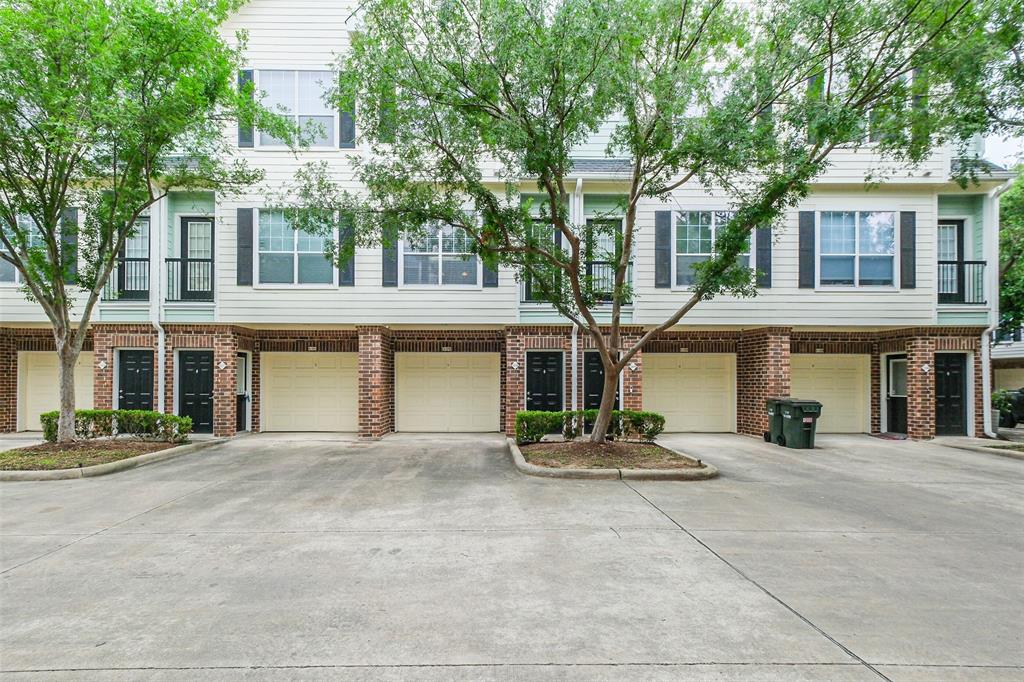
611, 455
86, 453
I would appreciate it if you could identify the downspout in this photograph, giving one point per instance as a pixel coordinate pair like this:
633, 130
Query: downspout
156, 298
578, 211
992, 206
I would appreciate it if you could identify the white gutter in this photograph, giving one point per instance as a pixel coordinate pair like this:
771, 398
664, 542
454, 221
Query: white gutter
992, 247
156, 298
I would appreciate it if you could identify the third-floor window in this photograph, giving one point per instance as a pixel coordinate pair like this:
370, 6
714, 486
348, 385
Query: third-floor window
300, 96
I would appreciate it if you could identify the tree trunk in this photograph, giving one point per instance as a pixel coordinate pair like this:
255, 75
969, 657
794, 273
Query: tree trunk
67, 359
599, 434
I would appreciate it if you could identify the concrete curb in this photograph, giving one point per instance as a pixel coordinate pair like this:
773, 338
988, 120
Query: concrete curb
109, 467
997, 451
705, 472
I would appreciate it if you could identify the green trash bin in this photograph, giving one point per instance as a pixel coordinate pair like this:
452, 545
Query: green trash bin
774, 411
799, 421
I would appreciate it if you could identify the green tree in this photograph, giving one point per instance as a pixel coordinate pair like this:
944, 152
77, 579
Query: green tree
1011, 255
466, 106
104, 106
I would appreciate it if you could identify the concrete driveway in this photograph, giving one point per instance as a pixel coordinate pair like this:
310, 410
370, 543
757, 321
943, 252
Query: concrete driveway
432, 559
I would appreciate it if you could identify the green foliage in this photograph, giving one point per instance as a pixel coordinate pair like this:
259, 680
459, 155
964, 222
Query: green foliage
1011, 255
1001, 400
531, 426
144, 424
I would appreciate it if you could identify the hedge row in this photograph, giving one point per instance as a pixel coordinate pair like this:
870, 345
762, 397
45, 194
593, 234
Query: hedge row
531, 426
144, 424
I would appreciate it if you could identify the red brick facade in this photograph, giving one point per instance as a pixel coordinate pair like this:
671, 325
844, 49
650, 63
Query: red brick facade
762, 363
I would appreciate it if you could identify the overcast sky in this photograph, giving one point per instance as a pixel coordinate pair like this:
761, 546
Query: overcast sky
1004, 151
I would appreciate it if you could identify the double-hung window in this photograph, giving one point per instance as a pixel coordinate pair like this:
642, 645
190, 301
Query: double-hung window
858, 248
696, 232
299, 95
8, 273
440, 257
290, 256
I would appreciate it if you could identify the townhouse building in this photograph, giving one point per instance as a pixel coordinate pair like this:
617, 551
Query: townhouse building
877, 302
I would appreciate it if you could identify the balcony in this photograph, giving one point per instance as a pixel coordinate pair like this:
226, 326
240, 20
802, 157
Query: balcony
962, 282
128, 281
189, 279
602, 280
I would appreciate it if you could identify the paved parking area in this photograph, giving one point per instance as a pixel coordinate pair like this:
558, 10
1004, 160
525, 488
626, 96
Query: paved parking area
428, 559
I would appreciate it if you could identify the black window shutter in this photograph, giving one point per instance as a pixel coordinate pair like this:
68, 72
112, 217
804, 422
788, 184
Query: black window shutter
908, 250
244, 248
347, 270
246, 132
69, 239
389, 256
807, 265
490, 276
663, 249
347, 125
763, 257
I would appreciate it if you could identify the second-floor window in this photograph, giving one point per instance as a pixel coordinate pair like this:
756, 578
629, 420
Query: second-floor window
8, 273
300, 96
696, 232
858, 248
441, 257
290, 256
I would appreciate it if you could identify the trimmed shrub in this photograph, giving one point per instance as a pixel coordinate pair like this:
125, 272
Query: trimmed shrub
630, 424
141, 424
533, 425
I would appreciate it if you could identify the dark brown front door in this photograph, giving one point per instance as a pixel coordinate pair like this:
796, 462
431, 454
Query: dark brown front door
950, 394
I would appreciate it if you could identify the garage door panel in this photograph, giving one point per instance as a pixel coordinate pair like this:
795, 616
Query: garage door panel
694, 391
1010, 378
447, 392
309, 391
841, 383
39, 386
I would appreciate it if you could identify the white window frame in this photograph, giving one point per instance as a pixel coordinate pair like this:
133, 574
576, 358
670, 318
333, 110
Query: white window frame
750, 253
440, 253
17, 273
295, 260
295, 115
857, 255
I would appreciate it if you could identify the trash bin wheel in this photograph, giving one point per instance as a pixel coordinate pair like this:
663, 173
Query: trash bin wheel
767, 437
781, 440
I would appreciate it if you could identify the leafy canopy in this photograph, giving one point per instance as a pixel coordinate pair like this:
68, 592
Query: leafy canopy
1011, 255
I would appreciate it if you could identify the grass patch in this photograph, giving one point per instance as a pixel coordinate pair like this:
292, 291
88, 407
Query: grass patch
1016, 447
612, 455
48, 456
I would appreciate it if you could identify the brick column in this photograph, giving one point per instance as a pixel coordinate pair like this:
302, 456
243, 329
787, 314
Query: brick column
920, 387
8, 382
762, 371
876, 390
103, 379
515, 378
225, 351
633, 381
376, 381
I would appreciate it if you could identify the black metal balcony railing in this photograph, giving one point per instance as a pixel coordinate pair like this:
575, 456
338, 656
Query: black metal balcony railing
602, 281
1005, 335
189, 279
962, 282
128, 281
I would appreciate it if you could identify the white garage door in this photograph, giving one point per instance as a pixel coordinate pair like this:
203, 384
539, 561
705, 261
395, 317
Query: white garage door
39, 388
447, 392
841, 383
1010, 378
309, 392
694, 391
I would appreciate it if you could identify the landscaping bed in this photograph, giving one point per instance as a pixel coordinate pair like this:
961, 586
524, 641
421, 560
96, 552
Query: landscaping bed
611, 455
1016, 447
53, 456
